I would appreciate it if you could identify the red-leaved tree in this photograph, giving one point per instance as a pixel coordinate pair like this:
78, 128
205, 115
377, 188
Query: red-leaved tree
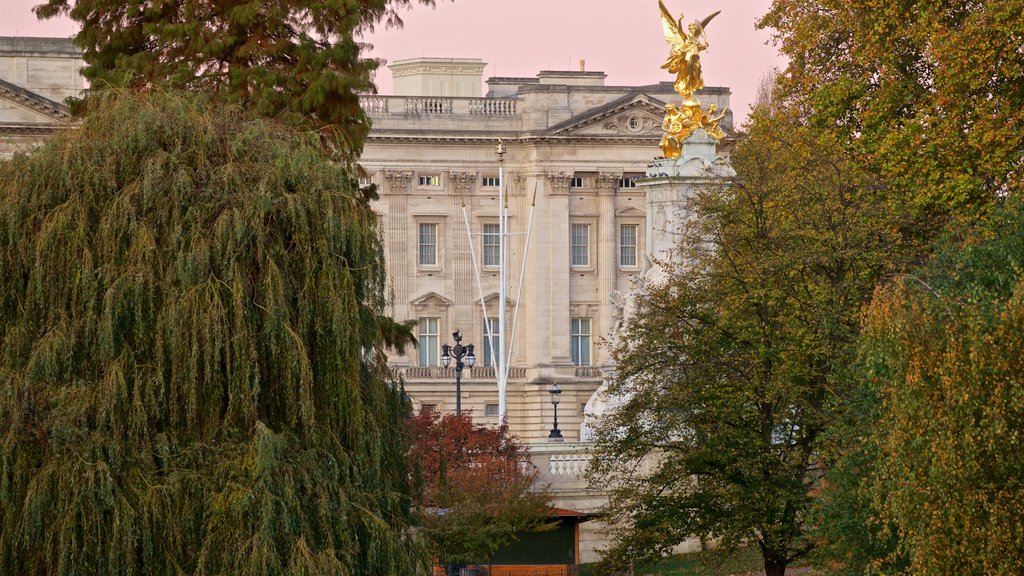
474, 487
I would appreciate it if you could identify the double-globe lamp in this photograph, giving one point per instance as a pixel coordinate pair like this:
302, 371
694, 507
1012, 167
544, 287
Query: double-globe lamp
556, 393
458, 352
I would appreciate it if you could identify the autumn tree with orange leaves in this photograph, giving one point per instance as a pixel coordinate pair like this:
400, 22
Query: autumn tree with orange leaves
474, 487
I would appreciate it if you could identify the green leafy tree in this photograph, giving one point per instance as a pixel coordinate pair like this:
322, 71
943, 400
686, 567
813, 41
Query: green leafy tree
931, 92
943, 352
729, 367
475, 489
299, 61
192, 374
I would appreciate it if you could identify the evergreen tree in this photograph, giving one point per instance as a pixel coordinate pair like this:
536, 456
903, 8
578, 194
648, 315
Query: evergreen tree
192, 378
298, 61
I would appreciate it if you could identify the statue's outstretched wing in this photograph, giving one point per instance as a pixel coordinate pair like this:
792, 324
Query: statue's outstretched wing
673, 35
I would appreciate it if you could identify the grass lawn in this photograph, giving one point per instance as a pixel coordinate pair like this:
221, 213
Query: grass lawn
707, 563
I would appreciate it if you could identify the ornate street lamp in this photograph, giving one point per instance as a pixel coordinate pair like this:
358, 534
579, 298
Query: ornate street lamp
555, 392
458, 352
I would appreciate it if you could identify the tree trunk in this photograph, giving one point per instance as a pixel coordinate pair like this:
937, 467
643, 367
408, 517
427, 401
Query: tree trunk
774, 563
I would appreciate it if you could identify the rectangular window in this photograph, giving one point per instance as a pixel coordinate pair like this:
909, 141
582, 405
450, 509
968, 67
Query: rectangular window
580, 244
581, 341
627, 182
428, 244
576, 182
627, 245
491, 410
492, 245
489, 181
428, 333
430, 180
428, 408
583, 409
491, 343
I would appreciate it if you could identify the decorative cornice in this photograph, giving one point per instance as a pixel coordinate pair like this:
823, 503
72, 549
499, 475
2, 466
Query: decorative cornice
40, 129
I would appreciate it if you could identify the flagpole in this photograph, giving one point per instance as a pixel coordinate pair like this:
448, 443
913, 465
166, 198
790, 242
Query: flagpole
502, 279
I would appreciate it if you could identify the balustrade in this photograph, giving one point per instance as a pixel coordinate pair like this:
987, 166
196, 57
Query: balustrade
375, 105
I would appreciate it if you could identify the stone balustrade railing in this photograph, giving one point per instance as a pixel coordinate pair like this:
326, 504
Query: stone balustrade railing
436, 106
561, 462
439, 373
588, 372
567, 464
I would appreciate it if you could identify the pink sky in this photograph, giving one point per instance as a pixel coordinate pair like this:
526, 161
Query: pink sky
622, 38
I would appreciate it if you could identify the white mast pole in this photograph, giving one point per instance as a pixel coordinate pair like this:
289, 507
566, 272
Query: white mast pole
502, 279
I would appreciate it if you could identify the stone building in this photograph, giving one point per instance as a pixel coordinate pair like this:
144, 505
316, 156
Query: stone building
575, 151
574, 147
36, 76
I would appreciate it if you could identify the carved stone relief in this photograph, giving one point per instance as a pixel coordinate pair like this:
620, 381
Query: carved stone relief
463, 181
398, 180
560, 180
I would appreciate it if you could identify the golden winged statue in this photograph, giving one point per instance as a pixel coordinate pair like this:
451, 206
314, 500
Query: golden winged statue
686, 42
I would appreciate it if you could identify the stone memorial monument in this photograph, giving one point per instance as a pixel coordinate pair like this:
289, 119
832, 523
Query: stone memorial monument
690, 161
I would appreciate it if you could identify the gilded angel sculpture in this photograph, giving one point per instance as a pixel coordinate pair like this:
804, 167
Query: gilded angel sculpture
681, 120
687, 42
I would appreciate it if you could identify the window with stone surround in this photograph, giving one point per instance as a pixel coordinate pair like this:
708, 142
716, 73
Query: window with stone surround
431, 180
580, 245
627, 244
427, 242
491, 328
492, 245
580, 341
429, 331
489, 182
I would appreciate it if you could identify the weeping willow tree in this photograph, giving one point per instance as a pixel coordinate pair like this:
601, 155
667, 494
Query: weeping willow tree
192, 378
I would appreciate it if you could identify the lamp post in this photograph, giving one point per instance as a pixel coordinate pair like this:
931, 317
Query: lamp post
556, 393
458, 352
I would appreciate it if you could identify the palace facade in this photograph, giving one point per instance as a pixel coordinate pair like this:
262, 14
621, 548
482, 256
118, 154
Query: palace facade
574, 148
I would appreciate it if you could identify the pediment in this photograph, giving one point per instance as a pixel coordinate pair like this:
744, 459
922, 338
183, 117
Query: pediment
630, 212
638, 115
431, 300
493, 298
22, 106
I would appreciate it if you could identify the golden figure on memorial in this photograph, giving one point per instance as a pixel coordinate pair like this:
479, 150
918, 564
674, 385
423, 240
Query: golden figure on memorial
687, 42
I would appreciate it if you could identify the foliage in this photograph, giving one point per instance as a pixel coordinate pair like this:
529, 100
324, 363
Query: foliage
713, 562
728, 368
850, 535
475, 487
930, 91
192, 379
293, 60
945, 352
